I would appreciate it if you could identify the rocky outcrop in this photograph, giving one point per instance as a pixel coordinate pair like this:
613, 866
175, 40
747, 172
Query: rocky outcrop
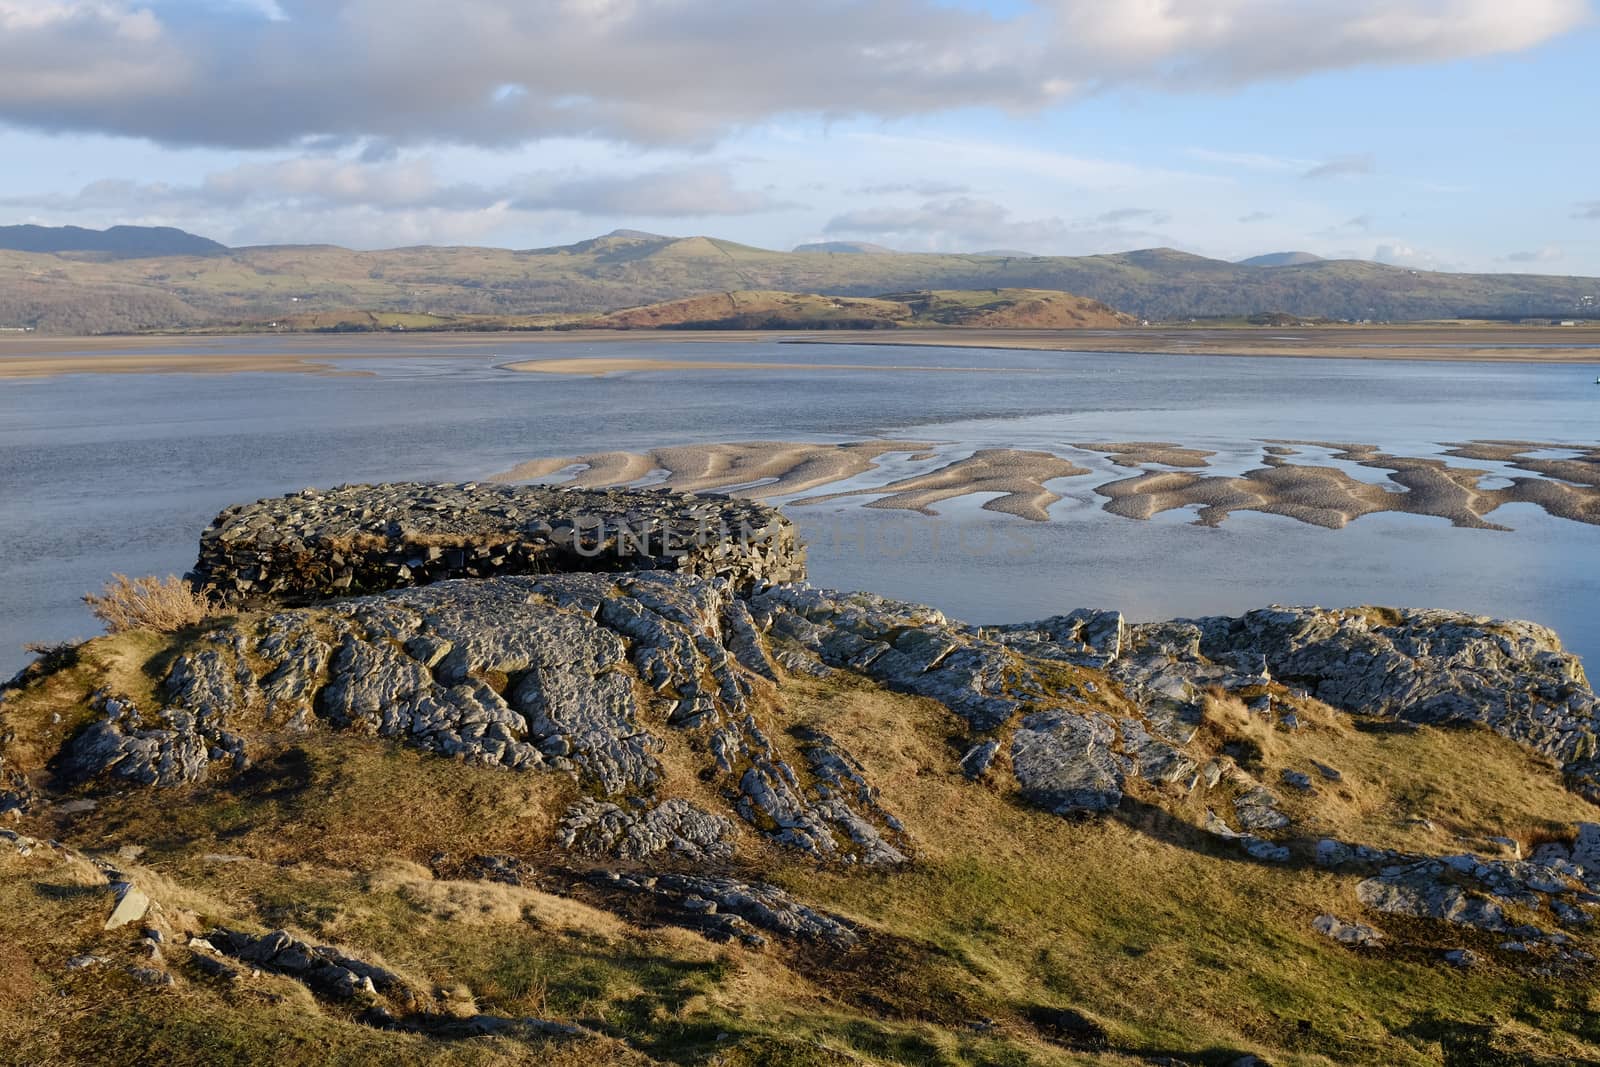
1067, 763
122, 746
1562, 883
371, 538
1356, 935
324, 969
1417, 666
729, 909
674, 828
579, 674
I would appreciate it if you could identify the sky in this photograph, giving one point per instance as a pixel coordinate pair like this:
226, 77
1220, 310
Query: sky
1440, 134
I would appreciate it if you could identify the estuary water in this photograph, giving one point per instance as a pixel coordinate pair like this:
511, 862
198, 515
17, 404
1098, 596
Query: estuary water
121, 472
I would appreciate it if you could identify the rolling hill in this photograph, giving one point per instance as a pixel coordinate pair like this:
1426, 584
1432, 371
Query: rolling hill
78, 293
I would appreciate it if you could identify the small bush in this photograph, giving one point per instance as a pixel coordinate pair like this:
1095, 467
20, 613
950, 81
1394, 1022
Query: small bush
164, 605
54, 655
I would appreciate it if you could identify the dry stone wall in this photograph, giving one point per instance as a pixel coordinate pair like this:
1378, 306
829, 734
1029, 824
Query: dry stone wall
357, 539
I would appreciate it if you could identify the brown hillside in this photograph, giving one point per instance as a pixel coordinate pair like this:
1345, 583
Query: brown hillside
1013, 309
1038, 309
755, 309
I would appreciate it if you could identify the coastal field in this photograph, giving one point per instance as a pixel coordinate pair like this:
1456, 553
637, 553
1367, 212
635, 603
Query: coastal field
26, 356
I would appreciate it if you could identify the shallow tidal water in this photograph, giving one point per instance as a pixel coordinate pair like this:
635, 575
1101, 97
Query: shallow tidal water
102, 473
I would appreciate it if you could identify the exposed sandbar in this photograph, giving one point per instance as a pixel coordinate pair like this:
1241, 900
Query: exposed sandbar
1138, 453
598, 367
1018, 475
1426, 343
31, 356
1327, 496
1319, 495
757, 469
166, 363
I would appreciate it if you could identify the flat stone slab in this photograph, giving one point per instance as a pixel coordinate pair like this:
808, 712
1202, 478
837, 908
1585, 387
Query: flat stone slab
355, 539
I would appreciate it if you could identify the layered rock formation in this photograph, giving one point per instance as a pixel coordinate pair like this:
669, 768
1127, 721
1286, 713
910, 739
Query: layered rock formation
581, 674
370, 538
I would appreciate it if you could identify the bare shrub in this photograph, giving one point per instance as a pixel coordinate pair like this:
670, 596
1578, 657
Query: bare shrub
54, 655
164, 605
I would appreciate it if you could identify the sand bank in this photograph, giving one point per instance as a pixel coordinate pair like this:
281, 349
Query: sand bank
598, 367
1434, 344
1330, 497
167, 363
1019, 476
1138, 453
1566, 484
25, 355
750, 468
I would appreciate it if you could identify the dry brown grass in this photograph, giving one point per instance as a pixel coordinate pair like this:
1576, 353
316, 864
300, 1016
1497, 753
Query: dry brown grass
162, 605
1532, 835
1229, 726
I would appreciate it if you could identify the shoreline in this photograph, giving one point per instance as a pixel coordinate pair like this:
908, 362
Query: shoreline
26, 357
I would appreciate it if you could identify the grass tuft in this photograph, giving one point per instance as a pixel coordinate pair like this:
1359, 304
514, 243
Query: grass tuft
162, 605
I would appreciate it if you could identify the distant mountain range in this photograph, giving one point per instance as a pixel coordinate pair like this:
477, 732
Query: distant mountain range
129, 242
94, 283
856, 248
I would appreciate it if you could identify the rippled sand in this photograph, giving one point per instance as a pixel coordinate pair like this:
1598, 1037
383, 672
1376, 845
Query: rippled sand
1562, 479
1019, 476
751, 468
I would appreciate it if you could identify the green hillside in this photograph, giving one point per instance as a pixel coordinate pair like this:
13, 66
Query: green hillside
70, 293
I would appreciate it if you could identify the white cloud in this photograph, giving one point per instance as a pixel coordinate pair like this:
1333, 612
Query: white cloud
971, 224
404, 200
1261, 161
320, 182
1400, 254
1547, 254
683, 192
957, 224
259, 73
1342, 166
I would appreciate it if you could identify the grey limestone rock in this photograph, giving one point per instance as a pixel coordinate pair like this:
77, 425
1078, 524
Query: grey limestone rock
1419, 890
1428, 666
581, 673
122, 746
1358, 935
1085, 637
907, 647
979, 758
1257, 810
674, 827
709, 902
325, 970
1255, 847
1065, 762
